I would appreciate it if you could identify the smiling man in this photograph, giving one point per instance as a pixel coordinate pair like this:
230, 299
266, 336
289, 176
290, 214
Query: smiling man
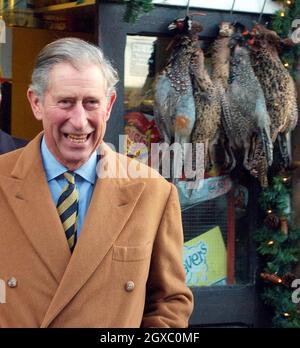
74, 111
78, 249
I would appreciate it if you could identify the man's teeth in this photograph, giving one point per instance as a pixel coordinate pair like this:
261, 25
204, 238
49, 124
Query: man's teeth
77, 138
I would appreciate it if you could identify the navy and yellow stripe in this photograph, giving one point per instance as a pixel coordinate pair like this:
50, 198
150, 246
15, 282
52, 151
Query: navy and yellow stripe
67, 207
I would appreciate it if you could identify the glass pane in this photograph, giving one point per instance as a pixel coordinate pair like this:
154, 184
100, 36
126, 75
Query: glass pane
137, 78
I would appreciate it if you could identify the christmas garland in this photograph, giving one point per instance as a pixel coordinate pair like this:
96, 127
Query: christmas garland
282, 22
277, 238
277, 243
135, 8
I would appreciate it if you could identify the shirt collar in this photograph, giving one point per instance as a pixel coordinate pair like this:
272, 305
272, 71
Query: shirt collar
53, 168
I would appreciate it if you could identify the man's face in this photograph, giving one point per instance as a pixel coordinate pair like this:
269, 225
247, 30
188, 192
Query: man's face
74, 112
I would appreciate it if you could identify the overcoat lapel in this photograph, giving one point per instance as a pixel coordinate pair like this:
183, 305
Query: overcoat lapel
112, 204
29, 197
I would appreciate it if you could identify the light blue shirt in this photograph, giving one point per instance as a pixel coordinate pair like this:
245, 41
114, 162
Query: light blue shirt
84, 180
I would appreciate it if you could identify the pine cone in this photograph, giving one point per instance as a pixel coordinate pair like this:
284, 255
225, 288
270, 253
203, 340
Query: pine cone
284, 226
272, 221
288, 278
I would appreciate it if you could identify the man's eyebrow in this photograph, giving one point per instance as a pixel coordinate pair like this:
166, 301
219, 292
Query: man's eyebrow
65, 96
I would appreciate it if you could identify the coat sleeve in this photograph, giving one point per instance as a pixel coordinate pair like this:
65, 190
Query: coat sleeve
169, 302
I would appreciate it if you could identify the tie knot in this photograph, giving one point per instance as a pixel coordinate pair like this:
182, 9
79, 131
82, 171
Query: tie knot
70, 176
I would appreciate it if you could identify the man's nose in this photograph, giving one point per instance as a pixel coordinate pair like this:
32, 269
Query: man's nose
79, 116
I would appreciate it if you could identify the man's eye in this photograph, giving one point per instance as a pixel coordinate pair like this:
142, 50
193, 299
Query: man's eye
65, 103
91, 104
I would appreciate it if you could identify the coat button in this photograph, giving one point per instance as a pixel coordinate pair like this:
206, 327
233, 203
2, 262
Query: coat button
12, 282
129, 286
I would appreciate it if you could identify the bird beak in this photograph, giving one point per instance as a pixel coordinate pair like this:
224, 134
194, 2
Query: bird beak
172, 26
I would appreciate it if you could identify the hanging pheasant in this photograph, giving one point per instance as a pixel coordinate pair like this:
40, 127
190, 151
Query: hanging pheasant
220, 54
208, 107
247, 121
220, 58
277, 84
174, 107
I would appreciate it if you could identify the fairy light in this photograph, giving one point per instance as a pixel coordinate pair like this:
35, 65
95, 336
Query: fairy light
286, 314
270, 242
286, 65
282, 14
269, 211
289, 2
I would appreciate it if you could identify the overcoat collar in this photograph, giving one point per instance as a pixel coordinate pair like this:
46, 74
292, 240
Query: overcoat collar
29, 196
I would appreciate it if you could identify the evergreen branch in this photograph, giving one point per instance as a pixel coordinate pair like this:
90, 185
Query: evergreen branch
135, 8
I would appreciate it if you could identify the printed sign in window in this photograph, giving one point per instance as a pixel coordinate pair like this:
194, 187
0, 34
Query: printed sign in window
204, 259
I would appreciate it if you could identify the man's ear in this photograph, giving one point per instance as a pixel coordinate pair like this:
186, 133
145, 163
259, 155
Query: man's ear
36, 104
110, 104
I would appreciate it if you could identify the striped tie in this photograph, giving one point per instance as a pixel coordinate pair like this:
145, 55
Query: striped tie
67, 207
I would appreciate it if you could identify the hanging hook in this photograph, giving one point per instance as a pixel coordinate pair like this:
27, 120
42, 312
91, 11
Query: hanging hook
193, 13
231, 11
187, 8
262, 11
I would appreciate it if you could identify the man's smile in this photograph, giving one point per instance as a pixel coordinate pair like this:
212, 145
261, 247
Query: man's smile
77, 138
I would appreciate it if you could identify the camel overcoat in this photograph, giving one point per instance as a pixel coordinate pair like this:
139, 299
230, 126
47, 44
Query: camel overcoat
126, 269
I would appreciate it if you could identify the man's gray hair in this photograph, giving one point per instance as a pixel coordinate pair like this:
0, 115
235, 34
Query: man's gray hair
76, 52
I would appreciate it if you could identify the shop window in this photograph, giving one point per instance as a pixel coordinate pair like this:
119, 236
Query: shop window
214, 218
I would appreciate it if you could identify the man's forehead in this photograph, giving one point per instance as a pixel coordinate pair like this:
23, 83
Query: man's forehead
67, 76
65, 69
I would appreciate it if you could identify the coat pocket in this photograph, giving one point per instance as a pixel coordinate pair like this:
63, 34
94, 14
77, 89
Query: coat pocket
131, 253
